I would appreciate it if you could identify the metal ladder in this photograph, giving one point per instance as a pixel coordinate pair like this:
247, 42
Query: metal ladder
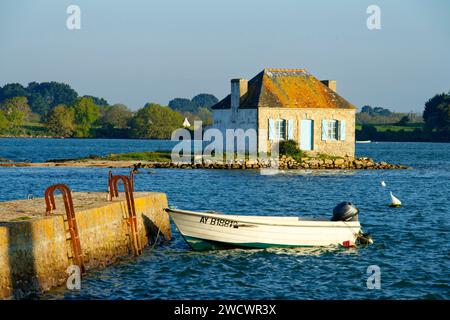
70, 218
113, 190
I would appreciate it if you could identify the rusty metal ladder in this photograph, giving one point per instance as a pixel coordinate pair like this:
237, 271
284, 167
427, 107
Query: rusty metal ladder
70, 217
112, 188
128, 183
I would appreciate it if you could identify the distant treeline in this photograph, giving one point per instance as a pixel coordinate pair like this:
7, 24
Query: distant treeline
370, 132
381, 124
55, 109
379, 115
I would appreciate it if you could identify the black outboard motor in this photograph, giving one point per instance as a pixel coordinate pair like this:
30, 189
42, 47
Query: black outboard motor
345, 211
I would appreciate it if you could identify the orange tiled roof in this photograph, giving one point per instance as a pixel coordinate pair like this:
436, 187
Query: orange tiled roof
287, 88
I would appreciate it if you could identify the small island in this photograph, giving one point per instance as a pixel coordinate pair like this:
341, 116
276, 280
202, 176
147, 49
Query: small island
292, 158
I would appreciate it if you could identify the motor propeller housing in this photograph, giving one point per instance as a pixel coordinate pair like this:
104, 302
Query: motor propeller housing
345, 211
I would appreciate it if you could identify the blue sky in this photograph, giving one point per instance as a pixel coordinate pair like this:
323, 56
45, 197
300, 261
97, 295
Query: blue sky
135, 52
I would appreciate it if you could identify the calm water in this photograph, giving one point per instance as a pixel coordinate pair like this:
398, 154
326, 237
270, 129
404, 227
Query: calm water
39, 150
412, 245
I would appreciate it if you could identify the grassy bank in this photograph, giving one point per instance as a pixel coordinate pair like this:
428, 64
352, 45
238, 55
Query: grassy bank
413, 132
395, 128
160, 156
28, 129
166, 156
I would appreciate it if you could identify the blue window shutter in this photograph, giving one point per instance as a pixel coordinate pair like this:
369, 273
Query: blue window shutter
271, 129
324, 129
290, 129
342, 130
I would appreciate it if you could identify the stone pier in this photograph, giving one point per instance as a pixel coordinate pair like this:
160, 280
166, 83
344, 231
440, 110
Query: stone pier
35, 250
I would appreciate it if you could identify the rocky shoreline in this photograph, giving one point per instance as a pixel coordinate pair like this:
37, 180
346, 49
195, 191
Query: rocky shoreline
27, 136
284, 162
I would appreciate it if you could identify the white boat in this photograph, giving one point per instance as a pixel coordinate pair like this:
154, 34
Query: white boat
206, 230
363, 141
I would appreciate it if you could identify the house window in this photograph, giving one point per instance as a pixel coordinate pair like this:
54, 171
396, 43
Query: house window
277, 129
280, 129
333, 130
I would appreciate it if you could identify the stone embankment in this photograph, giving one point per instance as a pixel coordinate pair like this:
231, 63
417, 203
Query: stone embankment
283, 163
36, 250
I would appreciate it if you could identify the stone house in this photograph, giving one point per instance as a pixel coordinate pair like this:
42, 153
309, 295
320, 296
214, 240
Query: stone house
285, 104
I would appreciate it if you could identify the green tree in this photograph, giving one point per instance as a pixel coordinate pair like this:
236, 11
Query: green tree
367, 109
4, 123
86, 113
98, 101
42, 97
403, 121
39, 104
12, 90
437, 113
382, 111
116, 116
205, 115
182, 104
155, 121
290, 148
368, 132
61, 121
16, 111
46, 95
204, 100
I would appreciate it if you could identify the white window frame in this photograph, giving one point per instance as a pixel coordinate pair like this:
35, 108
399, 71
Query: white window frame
279, 124
333, 130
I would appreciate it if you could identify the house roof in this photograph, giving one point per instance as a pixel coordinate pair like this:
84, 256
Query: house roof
287, 88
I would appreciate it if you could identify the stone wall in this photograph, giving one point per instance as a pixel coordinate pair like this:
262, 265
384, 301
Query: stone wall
35, 254
330, 147
284, 162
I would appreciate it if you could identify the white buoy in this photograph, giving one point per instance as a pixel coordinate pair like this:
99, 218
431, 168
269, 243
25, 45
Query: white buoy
394, 201
383, 184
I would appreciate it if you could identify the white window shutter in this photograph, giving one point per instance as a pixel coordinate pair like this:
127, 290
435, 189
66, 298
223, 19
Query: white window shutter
324, 129
271, 129
290, 134
342, 137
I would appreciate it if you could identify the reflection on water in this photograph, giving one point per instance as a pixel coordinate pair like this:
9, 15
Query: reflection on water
306, 172
306, 251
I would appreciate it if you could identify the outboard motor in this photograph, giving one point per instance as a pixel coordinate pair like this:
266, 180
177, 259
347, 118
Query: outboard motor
345, 211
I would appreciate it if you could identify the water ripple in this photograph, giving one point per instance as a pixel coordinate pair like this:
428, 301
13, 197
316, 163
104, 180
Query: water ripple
411, 247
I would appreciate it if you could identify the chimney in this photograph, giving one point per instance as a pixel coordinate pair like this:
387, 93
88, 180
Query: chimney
238, 89
330, 84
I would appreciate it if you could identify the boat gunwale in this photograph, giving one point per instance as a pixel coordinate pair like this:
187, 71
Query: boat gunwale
335, 224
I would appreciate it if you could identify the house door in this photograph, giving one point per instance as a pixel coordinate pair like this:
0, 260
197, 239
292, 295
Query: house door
306, 134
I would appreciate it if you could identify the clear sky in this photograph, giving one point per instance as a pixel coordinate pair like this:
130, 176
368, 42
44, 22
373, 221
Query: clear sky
135, 52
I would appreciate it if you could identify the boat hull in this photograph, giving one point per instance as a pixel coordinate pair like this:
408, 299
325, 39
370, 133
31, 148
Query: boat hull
206, 231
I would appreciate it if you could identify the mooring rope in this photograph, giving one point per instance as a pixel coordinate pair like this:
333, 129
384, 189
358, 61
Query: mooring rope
351, 230
156, 240
359, 235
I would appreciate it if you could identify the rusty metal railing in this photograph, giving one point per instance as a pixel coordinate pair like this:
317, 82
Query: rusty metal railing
113, 191
70, 216
113, 182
